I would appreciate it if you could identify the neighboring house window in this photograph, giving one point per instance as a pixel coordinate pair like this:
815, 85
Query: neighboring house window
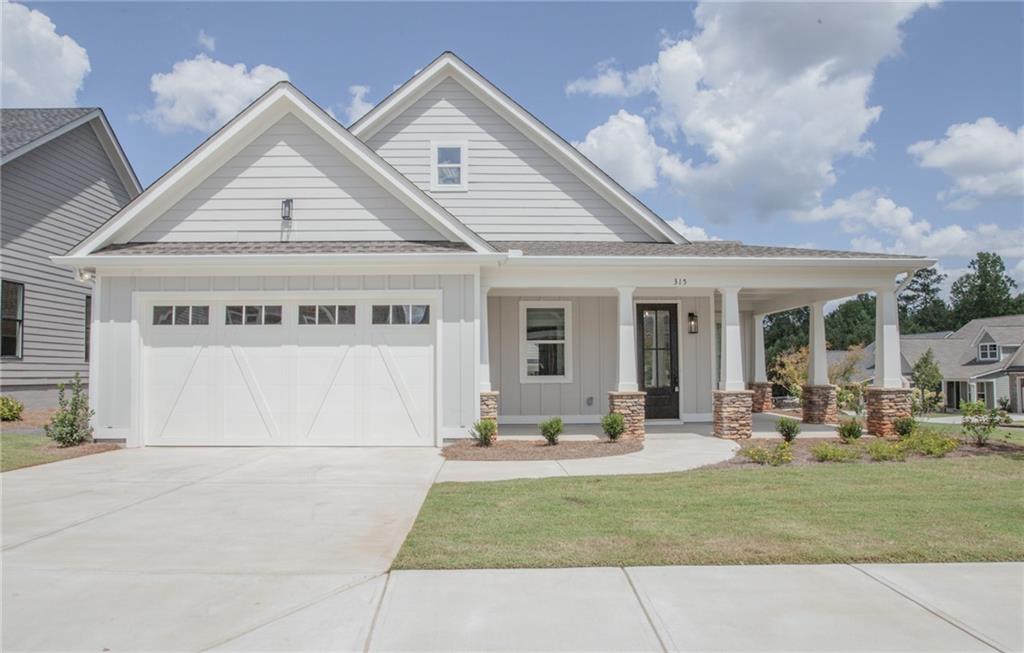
327, 314
981, 390
181, 315
252, 315
88, 324
400, 314
12, 315
545, 342
449, 167
988, 351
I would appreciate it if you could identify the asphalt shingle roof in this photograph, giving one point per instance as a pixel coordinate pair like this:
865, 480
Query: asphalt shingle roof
19, 127
707, 248
295, 247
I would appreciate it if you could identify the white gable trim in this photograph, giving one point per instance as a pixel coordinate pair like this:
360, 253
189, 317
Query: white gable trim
449, 65
281, 99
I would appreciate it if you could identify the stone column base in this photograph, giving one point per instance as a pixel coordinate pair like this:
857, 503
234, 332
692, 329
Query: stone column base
632, 406
732, 413
489, 406
762, 397
885, 406
819, 404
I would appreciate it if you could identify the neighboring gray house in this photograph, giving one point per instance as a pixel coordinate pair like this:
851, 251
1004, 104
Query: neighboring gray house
63, 174
982, 360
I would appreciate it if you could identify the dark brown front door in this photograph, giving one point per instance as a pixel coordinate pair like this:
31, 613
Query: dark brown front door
658, 344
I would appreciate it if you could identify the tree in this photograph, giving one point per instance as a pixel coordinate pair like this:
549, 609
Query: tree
985, 291
922, 309
785, 332
852, 324
926, 373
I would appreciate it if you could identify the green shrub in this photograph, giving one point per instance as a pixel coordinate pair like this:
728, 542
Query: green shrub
979, 422
70, 424
850, 430
484, 432
551, 429
780, 454
613, 425
828, 452
928, 442
883, 450
904, 426
10, 409
788, 428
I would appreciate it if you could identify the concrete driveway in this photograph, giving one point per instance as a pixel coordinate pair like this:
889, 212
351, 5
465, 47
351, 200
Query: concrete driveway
192, 548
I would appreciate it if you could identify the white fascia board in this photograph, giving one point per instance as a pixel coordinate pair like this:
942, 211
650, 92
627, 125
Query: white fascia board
269, 262
450, 65
282, 98
897, 265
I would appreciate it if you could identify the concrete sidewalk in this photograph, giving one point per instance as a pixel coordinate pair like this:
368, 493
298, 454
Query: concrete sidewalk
926, 607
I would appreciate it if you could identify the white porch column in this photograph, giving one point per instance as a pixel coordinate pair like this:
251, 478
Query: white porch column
732, 357
817, 365
627, 342
760, 373
485, 344
887, 340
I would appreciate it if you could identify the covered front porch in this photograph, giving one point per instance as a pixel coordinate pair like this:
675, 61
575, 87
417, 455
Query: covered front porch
668, 349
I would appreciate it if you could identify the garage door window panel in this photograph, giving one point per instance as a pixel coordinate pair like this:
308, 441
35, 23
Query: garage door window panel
181, 315
327, 314
401, 314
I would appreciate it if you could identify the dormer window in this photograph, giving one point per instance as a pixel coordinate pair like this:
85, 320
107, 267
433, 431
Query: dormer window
449, 167
988, 351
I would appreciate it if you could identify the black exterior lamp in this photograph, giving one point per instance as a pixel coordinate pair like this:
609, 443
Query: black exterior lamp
286, 209
691, 323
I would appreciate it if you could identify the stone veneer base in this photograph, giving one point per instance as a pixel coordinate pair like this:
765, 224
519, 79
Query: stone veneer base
819, 404
733, 419
632, 406
762, 397
489, 406
884, 407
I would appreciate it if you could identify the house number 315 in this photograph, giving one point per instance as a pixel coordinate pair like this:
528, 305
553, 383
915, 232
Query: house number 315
679, 281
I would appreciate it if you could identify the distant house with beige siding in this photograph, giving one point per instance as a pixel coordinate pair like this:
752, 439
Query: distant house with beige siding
63, 174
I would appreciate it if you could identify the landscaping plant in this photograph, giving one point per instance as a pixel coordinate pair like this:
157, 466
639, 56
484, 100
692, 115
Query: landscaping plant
780, 454
929, 442
10, 409
883, 450
551, 429
979, 422
484, 432
827, 452
613, 425
850, 430
70, 424
904, 426
788, 428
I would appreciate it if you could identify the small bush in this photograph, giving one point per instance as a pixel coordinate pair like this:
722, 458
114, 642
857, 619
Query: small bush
780, 454
979, 422
928, 442
613, 425
70, 424
551, 429
788, 428
883, 450
850, 430
904, 426
10, 409
484, 432
827, 452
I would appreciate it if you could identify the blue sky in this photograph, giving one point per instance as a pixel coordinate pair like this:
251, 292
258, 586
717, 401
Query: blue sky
885, 127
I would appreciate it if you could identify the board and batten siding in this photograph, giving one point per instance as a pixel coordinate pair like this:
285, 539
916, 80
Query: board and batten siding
456, 365
594, 338
332, 198
516, 190
53, 197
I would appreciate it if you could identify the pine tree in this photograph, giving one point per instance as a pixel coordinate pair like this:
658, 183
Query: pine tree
922, 309
985, 291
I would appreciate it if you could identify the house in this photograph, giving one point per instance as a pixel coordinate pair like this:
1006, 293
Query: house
63, 174
446, 258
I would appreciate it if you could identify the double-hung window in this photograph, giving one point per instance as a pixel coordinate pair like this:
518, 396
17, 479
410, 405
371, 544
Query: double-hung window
12, 319
449, 166
545, 342
988, 351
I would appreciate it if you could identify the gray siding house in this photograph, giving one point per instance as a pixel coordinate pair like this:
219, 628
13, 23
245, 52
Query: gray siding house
63, 174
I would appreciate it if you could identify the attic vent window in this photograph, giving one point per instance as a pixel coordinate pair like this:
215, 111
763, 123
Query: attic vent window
449, 167
988, 351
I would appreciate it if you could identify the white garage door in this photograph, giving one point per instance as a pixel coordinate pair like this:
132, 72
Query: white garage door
297, 373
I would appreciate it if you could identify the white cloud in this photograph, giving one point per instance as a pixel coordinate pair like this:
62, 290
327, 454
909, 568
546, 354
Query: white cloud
624, 148
40, 67
766, 96
357, 106
881, 225
206, 41
984, 159
203, 93
691, 232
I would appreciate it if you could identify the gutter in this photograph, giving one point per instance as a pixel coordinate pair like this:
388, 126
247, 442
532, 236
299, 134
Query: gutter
292, 260
515, 257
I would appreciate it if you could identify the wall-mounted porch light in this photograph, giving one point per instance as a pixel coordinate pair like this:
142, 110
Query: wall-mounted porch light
286, 209
691, 323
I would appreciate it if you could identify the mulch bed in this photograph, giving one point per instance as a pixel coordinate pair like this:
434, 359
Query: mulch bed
539, 450
63, 453
802, 452
31, 420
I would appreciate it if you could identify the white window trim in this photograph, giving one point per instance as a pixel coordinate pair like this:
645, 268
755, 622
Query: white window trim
985, 357
567, 307
463, 166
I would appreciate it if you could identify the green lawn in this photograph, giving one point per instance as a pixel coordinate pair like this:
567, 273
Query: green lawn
930, 510
24, 450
